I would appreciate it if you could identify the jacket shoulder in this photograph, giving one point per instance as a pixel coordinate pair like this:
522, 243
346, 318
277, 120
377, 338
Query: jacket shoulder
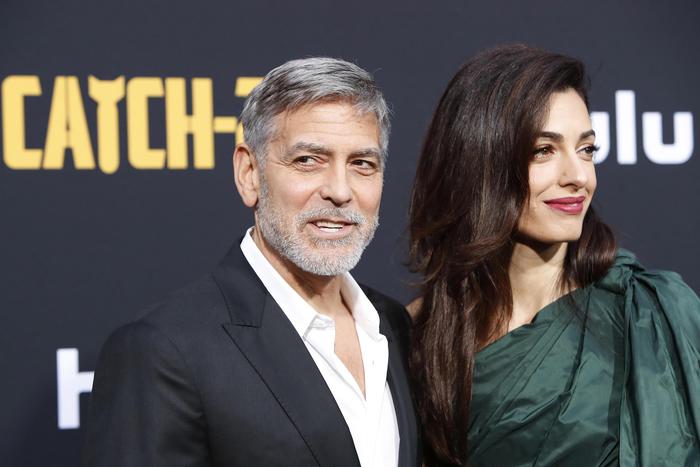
196, 304
183, 320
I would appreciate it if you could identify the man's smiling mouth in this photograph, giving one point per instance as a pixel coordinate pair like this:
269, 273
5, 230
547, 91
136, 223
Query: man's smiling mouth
330, 226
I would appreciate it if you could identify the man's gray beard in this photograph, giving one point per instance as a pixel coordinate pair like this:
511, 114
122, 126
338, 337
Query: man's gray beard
287, 239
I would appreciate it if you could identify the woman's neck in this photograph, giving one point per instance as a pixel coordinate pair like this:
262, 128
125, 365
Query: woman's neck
535, 273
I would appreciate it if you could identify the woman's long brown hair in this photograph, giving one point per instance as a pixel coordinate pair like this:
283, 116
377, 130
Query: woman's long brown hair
470, 188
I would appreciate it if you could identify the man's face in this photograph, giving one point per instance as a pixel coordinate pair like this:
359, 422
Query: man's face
321, 186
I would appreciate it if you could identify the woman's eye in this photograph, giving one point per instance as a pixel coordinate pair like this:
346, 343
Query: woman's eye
590, 150
542, 153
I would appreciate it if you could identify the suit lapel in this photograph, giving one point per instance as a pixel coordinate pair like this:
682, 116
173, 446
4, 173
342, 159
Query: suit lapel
397, 378
270, 343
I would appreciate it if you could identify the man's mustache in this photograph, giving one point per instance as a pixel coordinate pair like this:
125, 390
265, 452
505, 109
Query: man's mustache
346, 215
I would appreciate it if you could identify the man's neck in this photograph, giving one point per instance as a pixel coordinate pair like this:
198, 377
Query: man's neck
535, 276
323, 293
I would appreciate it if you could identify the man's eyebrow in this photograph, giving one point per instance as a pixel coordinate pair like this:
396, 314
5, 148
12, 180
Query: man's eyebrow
313, 148
367, 152
303, 146
559, 137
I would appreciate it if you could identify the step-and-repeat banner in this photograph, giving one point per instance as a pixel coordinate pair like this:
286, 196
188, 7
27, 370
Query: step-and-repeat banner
118, 121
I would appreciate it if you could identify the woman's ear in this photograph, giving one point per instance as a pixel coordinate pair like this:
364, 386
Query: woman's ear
246, 173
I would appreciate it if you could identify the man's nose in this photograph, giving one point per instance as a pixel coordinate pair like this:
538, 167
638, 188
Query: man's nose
336, 186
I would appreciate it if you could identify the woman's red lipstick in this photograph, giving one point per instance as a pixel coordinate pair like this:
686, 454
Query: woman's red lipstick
568, 205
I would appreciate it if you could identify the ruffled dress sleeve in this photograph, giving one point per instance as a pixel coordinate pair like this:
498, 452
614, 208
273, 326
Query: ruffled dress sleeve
660, 401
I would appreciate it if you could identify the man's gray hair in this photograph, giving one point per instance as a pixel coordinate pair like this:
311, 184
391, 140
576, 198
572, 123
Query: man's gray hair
306, 81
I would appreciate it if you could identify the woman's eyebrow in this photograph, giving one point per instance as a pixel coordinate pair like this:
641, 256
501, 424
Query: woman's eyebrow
559, 137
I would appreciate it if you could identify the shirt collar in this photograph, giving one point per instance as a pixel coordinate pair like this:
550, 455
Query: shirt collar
297, 309
363, 311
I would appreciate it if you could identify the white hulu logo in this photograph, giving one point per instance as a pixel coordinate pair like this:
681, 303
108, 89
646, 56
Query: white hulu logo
70, 384
656, 151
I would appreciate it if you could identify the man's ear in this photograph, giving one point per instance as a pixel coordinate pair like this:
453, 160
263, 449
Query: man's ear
246, 173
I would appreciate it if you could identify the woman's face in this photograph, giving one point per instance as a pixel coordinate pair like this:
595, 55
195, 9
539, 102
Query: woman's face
561, 175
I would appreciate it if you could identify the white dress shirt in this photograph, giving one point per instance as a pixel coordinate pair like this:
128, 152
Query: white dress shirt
371, 419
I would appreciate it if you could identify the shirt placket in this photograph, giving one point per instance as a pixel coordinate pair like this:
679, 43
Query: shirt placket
375, 358
321, 337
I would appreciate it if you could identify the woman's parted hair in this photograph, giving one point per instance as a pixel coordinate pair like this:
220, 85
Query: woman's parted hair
470, 188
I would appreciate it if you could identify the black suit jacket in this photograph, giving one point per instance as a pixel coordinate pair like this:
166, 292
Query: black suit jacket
216, 375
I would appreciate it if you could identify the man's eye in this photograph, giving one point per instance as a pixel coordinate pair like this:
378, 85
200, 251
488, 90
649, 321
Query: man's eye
305, 160
364, 163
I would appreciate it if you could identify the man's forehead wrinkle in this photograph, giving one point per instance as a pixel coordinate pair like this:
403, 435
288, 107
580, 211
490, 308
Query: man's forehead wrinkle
290, 143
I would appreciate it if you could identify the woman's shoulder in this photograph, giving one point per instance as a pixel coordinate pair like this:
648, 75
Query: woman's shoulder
652, 294
414, 308
627, 271
662, 341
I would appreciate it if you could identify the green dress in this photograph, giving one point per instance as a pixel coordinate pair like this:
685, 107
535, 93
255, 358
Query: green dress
606, 375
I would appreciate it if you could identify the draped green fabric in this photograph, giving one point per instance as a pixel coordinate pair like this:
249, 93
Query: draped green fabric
606, 375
